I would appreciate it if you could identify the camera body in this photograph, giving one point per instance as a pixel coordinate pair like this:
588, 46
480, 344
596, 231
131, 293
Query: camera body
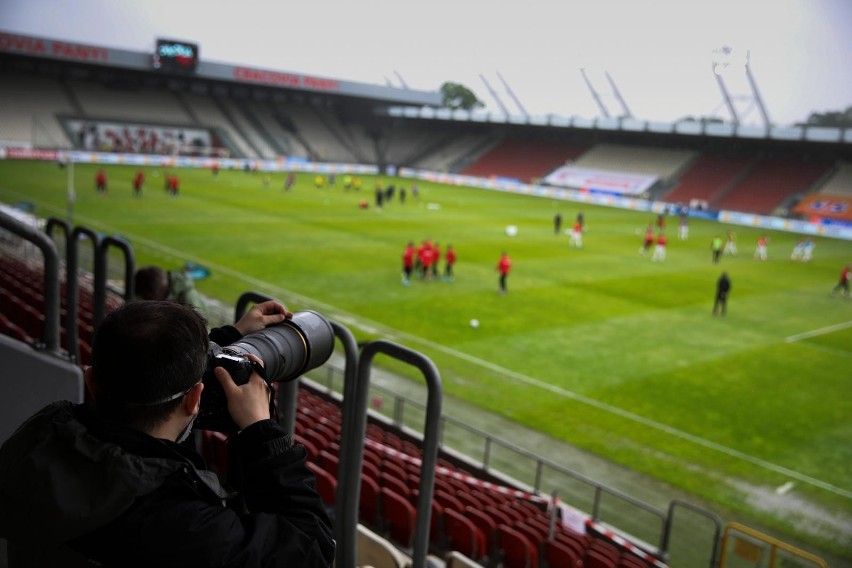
288, 349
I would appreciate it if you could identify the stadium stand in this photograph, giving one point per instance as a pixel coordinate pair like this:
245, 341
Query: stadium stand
312, 124
129, 103
29, 106
247, 127
770, 183
840, 181
662, 162
524, 159
442, 158
708, 178
207, 113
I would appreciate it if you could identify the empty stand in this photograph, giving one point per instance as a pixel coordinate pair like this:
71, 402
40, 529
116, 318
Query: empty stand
770, 183
662, 162
523, 159
708, 178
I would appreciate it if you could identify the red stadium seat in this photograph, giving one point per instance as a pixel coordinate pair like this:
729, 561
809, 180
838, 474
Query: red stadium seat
399, 516
485, 523
559, 555
368, 500
597, 559
463, 535
516, 549
326, 484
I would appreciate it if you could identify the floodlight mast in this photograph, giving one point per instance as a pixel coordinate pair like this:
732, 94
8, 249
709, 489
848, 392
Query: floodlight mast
512, 95
721, 62
618, 97
757, 99
494, 94
595, 94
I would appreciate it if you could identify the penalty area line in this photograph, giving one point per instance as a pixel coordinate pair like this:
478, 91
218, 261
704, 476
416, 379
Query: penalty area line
820, 331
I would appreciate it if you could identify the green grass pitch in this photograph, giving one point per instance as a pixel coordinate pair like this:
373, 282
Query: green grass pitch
600, 347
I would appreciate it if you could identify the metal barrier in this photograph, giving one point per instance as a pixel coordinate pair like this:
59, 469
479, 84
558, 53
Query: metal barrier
744, 547
431, 430
100, 288
50, 336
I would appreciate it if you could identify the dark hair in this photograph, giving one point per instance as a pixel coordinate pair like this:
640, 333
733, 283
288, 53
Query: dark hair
151, 283
144, 352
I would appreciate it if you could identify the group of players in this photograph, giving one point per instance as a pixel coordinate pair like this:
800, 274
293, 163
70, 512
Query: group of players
424, 259
172, 183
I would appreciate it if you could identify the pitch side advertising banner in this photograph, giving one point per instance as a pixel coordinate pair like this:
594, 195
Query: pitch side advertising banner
830, 206
601, 181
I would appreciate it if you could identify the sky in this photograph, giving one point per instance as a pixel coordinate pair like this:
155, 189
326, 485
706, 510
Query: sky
659, 53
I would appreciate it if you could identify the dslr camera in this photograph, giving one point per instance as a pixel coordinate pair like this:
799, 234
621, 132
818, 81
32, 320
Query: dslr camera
288, 350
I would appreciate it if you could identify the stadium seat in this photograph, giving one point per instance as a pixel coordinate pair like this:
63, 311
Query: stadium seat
517, 551
448, 501
488, 526
326, 484
559, 555
399, 516
329, 462
13, 330
390, 480
463, 535
606, 548
368, 500
631, 561
373, 550
313, 454
597, 559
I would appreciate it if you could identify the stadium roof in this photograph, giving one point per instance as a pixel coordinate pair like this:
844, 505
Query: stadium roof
40, 47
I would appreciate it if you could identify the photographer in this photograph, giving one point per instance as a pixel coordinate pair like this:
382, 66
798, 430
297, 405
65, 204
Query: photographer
110, 483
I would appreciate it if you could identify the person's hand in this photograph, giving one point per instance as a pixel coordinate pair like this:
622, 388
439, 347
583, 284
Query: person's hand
262, 315
248, 403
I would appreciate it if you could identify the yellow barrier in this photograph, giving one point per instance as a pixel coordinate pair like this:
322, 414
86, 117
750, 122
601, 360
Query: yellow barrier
744, 547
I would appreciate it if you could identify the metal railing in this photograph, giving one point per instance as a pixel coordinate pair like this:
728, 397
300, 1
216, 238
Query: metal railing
640, 522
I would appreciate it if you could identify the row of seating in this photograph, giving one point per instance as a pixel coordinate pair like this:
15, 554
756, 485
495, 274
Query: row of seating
487, 523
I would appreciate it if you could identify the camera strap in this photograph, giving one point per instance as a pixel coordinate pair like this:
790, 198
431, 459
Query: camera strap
273, 392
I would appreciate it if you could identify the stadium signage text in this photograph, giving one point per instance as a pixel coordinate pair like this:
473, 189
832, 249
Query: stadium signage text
48, 48
285, 79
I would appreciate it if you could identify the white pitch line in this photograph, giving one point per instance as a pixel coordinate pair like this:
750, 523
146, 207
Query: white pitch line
517, 376
820, 331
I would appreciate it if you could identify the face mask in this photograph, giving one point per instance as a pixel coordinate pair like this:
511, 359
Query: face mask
185, 434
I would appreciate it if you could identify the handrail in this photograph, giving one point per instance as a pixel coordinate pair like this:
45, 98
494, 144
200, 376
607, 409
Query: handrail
51, 277
431, 430
714, 518
71, 308
99, 293
347, 499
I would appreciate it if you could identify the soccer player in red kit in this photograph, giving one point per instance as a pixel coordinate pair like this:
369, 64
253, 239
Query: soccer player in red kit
843, 284
760, 251
138, 180
503, 267
660, 249
450, 258
648, 240
407, 263
101, 181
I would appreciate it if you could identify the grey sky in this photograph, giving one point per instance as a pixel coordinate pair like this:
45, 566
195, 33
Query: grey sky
659, 52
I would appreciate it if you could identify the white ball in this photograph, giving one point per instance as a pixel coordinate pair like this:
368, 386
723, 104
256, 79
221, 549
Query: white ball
511, 230
474, 323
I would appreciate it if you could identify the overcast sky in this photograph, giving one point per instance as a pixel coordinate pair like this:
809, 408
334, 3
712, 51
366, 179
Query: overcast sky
658, 52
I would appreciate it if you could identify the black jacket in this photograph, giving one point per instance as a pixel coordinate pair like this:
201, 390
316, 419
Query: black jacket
75, 487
